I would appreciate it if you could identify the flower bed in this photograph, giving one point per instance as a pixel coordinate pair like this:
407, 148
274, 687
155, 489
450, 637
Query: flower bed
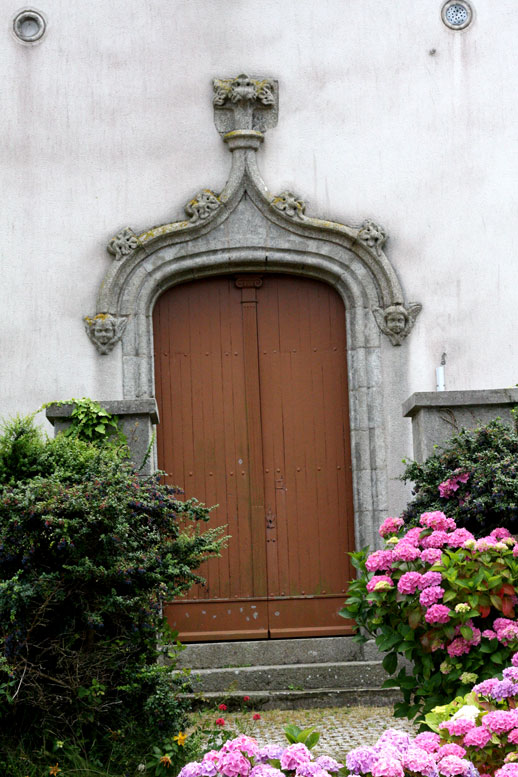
484, 723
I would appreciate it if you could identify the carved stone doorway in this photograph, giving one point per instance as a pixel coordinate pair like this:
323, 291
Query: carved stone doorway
251, 382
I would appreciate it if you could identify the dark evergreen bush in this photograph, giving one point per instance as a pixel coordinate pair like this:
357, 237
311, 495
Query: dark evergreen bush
88, 552
489, 496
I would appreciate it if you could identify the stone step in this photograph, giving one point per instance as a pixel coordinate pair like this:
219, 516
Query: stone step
292, 700
291, 677
313, 650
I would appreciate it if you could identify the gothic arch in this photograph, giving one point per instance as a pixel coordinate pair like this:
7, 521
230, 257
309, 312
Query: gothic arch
247, 229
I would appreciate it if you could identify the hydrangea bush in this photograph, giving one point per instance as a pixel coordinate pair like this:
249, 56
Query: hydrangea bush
442, 599
483, 724
395, 754
243, 757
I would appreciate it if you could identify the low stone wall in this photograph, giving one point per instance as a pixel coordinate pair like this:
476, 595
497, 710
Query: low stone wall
136, 420
438, 415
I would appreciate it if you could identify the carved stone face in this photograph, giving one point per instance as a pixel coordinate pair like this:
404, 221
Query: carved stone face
104, 330
396, 322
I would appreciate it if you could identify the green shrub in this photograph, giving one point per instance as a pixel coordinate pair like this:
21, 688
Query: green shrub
489, 496
88, 552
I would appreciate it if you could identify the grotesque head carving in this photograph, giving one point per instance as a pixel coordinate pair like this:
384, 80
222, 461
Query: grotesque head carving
104, 330
396, 321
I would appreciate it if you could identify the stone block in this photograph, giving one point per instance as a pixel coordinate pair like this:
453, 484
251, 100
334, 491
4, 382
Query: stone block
136, 420
438, 415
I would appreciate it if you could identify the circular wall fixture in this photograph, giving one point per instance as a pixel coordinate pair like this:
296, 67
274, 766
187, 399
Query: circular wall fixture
457, 14
29, 25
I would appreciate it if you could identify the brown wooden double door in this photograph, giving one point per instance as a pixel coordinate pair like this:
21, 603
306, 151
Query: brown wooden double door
251, 386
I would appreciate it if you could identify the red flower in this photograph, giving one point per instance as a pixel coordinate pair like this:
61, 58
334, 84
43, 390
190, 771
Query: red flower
220, 722
246, 698
256, 716
222, 707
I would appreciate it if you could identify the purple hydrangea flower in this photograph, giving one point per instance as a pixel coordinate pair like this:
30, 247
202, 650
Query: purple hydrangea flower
360, 760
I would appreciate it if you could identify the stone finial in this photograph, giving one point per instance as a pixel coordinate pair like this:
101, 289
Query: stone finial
123, 243
202, 206
373, 235
289, 204
396, 321
245, 105
105, 330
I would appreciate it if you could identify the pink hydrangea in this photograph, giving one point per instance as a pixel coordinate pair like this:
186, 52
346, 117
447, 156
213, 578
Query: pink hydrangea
500, 721
477, 737
514, 659
428, 741
413, 536
393, 737
429, 578
243, 743
431, 555
380, 583
405, 551
489, 634
390, 526
507, 770
418, 760
294, 755
452, 765
484, 543
437, 520
459, 727
408, 582
486, 687
515, 551
437, 539
379, 561
458, 537
500, 533
451, 749
513, 736
386, 766
233, 764
438, 613
431, 595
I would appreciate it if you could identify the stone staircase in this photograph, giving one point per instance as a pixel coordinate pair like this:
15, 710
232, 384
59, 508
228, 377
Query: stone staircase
288, 673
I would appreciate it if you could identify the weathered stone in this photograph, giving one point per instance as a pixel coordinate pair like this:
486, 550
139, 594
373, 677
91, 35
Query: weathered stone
136, 419
438, 415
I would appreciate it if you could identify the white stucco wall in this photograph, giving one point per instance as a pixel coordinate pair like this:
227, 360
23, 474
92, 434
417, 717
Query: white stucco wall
384, 113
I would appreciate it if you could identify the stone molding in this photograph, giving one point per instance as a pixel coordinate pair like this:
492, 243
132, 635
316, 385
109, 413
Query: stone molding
253, 231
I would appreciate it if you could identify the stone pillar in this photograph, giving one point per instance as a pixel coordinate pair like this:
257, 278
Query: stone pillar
438, 415
136, 420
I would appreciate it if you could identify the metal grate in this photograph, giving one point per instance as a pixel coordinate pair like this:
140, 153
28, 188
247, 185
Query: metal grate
456, 15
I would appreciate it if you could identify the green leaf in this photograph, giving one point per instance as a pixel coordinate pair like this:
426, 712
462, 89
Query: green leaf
312, 739
390, 663
466, 632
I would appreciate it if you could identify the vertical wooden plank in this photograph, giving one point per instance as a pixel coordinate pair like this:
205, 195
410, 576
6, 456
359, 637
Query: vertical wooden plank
249, 285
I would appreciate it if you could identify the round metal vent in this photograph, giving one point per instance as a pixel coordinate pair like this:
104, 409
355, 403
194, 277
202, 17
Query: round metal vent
29, 25
457, 14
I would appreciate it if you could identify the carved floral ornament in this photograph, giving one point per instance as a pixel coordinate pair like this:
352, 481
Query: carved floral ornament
244, 108
123, 243
243, 89
202, 206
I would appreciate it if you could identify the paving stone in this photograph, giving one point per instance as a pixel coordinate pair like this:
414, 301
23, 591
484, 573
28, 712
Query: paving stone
341, 728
